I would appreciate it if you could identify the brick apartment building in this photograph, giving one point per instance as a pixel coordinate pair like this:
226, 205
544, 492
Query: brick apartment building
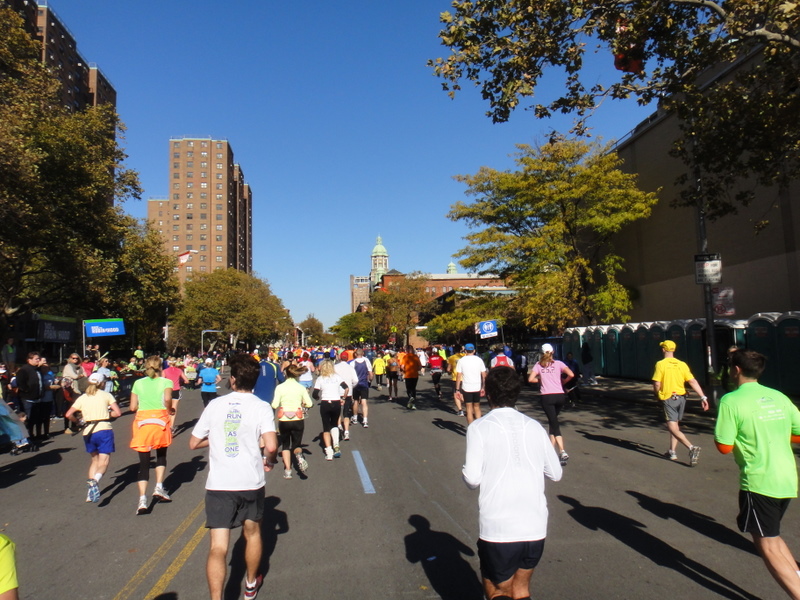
209, 210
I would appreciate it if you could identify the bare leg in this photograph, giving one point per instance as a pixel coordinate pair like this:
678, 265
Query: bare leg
364, 409
558, 443
160, 474
99, 464
216, 569
780, 563
252, 551
287, 460
516, 587
676, 435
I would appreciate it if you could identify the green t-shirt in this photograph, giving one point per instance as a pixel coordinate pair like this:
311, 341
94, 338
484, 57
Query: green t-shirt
151, 392
8, 567
759, 422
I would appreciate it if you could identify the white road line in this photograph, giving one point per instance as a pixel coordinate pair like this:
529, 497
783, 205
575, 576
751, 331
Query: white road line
366, 482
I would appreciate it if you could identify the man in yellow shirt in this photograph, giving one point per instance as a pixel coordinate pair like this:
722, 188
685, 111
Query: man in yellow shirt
669, 381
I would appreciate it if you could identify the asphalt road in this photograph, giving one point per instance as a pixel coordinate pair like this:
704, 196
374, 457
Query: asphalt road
624, 522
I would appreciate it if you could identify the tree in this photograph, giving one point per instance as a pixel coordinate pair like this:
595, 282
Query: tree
352, 327
457, 324
314, 330
236, 303
546, 229
61, 236
743, 124
396, 309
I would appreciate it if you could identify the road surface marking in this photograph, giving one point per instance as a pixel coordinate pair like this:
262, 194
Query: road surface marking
151, 562
366, 483
176, 565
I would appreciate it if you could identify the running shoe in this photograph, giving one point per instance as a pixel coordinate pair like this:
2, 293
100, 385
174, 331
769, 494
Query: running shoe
251, 589
287, 473
670, 455
353, 420
365, 424
328, 453
563, 458
161, 495
302, 463
694, 455
346, 436
142, 508
94, 490
336, 452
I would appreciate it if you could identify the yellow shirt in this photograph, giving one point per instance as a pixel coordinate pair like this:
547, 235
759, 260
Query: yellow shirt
291, 396
379, 366
8, 567
672, 374
95, 408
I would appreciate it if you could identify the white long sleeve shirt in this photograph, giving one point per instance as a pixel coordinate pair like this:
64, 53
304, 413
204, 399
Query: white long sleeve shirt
508, 457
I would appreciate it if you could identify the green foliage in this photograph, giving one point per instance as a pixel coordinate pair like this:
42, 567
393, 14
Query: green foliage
64, 246
238, 304
314, 330
546, 229
743, 125
352, 327
458, 325
398, 308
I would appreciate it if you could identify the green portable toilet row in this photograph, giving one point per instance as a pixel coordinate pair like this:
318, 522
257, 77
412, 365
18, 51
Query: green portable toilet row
788, 341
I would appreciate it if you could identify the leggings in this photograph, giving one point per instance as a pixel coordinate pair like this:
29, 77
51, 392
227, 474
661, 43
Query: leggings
379, 379
330, 410
144, 463
552, 404
411, 386
291, 434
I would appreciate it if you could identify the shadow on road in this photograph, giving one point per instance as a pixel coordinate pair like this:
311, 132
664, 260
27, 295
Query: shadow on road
695, 521
16, 471
184, 472
459, 428
621, 443
439, 553
273, 524
123, 478
629, 532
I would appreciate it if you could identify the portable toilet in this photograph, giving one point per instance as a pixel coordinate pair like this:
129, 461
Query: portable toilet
762, 337
644, 362
611, 351
598, 335
788, 338
728, 332
676, 331
696, 349
566, 338
627, 350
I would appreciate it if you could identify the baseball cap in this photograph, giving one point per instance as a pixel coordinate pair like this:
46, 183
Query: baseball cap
96, 378
547, 347
668, 345
469, 347
209, 361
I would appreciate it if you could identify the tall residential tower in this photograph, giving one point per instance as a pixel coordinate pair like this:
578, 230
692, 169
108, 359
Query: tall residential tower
209, 210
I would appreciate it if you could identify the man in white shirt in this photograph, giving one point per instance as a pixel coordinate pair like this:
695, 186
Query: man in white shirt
470, 374
235, 427
348, 374
507, 455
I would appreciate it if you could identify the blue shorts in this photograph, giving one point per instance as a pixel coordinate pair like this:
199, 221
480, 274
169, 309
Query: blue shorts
100, 441
307, 384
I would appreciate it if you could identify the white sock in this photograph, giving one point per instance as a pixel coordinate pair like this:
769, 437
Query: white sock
142, 498
98, 477
335, 436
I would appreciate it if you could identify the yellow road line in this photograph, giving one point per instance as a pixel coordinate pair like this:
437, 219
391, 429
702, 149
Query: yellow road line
177, 564
151, 562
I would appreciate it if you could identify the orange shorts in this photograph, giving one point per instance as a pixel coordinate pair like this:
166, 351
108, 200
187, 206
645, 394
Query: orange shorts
151, 430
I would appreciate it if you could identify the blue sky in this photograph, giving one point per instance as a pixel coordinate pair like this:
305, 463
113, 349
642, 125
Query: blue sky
342, 131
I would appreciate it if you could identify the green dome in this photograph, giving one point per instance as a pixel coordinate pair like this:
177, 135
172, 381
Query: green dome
379, 250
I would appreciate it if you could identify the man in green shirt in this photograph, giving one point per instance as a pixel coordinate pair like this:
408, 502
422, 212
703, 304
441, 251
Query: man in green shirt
759, 424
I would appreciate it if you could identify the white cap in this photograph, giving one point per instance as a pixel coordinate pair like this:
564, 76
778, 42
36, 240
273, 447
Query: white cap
547, 348
96, 378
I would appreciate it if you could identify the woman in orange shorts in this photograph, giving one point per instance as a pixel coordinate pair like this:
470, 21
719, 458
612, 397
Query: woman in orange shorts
151, 400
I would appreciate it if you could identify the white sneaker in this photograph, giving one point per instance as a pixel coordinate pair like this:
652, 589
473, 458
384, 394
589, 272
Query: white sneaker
328, 453
287, 473
302, 463
161, 495
142, 508
346, 437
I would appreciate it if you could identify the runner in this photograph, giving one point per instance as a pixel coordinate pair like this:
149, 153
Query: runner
379, 368
177, 377
363, 369
392, 374
411, 367
329, 389
437, 364
348, 374
96, 407
291, 398
550, 372
470, 376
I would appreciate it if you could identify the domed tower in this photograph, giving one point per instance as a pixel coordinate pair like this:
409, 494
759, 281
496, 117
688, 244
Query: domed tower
380, 262
451, 268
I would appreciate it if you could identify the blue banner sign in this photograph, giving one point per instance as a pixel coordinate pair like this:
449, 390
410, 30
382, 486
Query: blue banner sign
104, 327
487, 329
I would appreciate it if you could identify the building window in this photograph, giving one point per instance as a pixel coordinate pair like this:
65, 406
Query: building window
176, 196
190, 205
427, 290
203, 174
219, 175
203, 258
176, 186
203, 226
203, 195
219, 227
189, 173
190, 144
219, 217
219, 206
219, 166
219, 186
160, 223
174, 269
219, 248
188, 268
203, 216
176, 217
189, 195
204, 185
190, 154
176, 165
203, 165
189, 238
219, 154
202, 267
176, 238
176, 248
203, 237
218, 238
176, 155
190, 185
204, 154
219, 197
202, 248
176, 228
218, 259
189, 164
219, 146
189, 226
203, 206
176, 175
204, 144
176, 144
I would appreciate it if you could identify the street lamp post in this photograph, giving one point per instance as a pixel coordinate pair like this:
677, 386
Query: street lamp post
205, 331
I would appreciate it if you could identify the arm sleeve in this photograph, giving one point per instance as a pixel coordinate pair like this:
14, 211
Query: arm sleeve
201, 430
725, 429
267, 419
473, 466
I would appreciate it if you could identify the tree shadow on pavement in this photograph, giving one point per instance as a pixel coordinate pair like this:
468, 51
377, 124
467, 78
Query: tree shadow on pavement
630, 532
459, 428
16, 471
440, 555
184, 472
695, 521
621, 443
273, 523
